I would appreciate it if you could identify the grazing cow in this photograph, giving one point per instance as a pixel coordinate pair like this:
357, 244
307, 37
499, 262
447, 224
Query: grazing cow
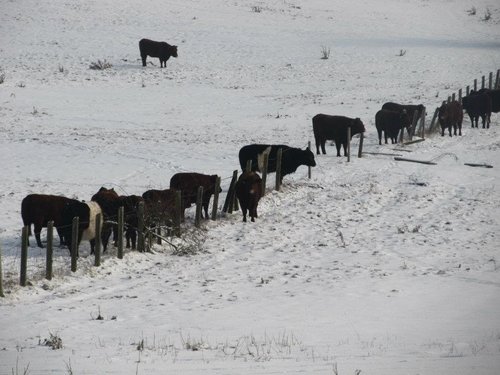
390, 122
327, 127
188, 184
451, 115
248, 191
86, 212
159, 207
478, 105
495, 98
39, 209
162, 50
292, 158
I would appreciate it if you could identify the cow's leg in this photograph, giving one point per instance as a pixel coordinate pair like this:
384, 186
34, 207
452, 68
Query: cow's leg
318, 143
38, 230
143, 57
488, 120
323, 144
449, 129
338, 145
205, 207
385, 136
379, 136
345, 148
244, 210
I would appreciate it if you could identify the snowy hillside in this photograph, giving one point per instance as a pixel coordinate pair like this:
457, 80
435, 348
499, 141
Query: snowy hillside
373, 266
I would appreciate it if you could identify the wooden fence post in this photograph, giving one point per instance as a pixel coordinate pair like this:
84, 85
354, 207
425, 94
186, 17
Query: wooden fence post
433, 122
141, 241
158, 232
453, 97
264, 173
414, 122
467, 91
216, 198
490, 81
74, 243
422, 123
279, 157
449, 99
228, 202
178, 213
475, 84
1, 276
199, 207
483, 83
24, 255
360, 149
249, 165
121, 214
497, 81
348, 144
232, 198
98, 240
50, 250
309, 168
460, 96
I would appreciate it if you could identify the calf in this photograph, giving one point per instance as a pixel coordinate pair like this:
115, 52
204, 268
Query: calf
249, 191
390, 122
451, 115
86, 212
162, 50
292, 158
478, 105
159, 207
39, 209
188, 184
326, 127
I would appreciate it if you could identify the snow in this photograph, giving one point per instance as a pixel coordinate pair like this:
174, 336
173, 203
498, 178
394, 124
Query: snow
374, 265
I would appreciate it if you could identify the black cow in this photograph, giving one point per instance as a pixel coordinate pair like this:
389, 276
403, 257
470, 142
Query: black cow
292, 158
249, 191
130, 205
86, 212
451, 115
39, 209
109, 202
162, 50
390, 122
478, 105
495, 98
326, 127
409, 108
188, 184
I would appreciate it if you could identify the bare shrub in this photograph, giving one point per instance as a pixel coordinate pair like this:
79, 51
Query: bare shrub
487, 15
100, 65
325, 53
402, 52
256, 9
2, 77
61, 68
54, 342
472, 11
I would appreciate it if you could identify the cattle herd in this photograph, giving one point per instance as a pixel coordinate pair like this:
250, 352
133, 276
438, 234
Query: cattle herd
159, 205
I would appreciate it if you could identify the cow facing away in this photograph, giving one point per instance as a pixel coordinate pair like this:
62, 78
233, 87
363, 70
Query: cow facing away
39, 209
249, 191
326, 127
188, 184
495, 98
292, 158
162, 50
86, 212
390, 123
109, 201
478, 104
451, 115
130, 205
159, 207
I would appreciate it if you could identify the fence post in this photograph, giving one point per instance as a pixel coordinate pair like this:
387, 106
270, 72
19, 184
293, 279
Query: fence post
158, 232
467, 90
232, 197
460, 96
497, 81
348, 144
177, 213
74, 243
1, 276
309, 169
121, 214
98, 240
216, 198
414, 121
264, 173
50, 250
433, 122
475, 84
249, 165
483, 79
402, 135
453, 97
199, 207
24, 255
360, 149
140, 227
228, 201
278, 168
449, 99
490, 81
422, 123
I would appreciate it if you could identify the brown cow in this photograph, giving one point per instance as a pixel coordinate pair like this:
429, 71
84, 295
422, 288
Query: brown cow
39, 209
451, 114
249, 191
159, 207
109, 201
188, 184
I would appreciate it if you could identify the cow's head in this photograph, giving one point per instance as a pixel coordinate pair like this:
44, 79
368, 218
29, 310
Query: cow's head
173, 51
358, 126
309, 158
213, 181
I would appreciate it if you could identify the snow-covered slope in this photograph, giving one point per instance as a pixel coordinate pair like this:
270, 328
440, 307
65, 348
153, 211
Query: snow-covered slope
373, 265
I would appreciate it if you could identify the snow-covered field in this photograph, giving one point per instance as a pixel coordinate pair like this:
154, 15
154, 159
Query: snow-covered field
372, 267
